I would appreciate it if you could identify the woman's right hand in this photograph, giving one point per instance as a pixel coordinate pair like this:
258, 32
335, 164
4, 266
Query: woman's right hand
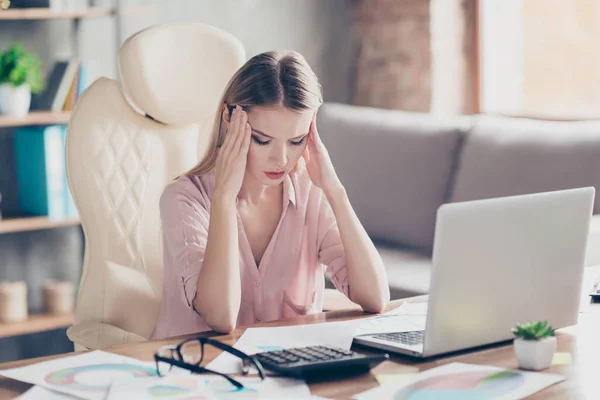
231, 161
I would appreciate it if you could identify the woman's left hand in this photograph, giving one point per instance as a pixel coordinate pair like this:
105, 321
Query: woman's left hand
318, 164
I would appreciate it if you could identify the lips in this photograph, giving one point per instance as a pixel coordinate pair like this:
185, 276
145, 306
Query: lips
275, 175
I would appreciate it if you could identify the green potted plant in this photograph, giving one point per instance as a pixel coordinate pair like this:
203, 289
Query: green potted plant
534, 345
20, 76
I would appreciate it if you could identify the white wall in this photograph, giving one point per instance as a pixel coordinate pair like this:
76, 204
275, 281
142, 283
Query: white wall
318, 29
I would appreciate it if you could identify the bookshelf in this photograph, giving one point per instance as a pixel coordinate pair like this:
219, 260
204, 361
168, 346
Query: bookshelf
36, 323
36, 118
20, 14
24, 224
45, 322
47, 13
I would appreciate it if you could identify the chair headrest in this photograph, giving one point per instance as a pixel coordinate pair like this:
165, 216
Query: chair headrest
176, 73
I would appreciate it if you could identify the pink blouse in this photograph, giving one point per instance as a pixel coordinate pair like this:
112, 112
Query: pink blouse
289, 280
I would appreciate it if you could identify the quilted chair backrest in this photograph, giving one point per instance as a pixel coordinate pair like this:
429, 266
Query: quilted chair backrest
124, 143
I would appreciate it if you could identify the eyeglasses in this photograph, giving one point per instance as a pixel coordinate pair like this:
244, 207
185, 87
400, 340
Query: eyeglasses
189, 354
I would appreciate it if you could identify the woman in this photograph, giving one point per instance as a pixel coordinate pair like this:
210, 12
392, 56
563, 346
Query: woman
247, 229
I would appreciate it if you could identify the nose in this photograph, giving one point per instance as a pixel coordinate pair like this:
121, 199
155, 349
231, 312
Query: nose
278, 157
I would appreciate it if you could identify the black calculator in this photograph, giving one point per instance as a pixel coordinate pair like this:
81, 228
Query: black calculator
304, 362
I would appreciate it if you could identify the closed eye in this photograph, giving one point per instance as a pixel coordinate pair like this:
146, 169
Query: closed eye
260, 142
266, 142
299, 142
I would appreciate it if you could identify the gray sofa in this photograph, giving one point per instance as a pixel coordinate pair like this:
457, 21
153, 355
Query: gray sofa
399, 167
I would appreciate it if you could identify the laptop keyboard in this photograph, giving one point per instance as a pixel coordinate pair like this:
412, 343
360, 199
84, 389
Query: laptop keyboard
407, 338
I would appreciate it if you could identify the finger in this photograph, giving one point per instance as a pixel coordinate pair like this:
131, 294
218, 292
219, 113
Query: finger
228, 118
315, 141
239, 135
226, 146
311, 129
315, 130
234, 123
231, 133
246, 140
306, 155
224, 124
312, 144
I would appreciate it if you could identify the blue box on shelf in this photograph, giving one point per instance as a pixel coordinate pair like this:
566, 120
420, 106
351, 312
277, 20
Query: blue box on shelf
41, 172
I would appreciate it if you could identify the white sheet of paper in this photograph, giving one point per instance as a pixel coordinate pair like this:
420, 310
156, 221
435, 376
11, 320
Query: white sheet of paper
39, 392
473, 381
87, 376
207, 386
256, 340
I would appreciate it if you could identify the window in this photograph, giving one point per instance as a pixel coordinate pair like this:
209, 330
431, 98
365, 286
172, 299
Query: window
540, 58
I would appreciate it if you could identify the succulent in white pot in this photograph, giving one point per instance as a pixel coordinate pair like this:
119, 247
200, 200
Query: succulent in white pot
20, 76
534, 345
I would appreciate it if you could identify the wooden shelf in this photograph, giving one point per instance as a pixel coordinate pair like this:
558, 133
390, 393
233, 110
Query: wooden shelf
92, 12
34, 224
47, 13
36, 118
36, 323
138, 11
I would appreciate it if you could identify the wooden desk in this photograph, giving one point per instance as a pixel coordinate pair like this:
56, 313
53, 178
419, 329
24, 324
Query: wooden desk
581, 340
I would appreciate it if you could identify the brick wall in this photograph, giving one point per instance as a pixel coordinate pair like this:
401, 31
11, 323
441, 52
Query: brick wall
394, 61
415, 55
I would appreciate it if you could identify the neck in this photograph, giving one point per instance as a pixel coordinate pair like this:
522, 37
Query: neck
253, 192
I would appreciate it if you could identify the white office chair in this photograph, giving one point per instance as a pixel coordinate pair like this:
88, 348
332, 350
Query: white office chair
124, 143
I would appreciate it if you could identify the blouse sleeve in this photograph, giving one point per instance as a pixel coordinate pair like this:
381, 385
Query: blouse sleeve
331, 249
185, 221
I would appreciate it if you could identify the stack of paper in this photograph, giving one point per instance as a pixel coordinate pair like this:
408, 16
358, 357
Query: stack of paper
86, 376
99, 375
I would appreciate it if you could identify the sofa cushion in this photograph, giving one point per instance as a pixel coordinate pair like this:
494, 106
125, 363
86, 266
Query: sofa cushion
395, 166
509, 156
408, 271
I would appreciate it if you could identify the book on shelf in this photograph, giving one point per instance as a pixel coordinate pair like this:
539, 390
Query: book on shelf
54, 5
41, 172
78, 86
65, 82
72, 93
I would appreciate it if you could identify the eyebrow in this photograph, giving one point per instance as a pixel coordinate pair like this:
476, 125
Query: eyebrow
271, 137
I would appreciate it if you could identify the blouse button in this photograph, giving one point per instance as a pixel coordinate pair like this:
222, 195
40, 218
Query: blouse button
257, 283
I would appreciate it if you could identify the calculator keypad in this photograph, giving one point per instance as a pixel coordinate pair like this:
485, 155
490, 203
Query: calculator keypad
309, 354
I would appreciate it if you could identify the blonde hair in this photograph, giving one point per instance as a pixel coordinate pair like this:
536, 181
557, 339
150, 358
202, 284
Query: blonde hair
267, 79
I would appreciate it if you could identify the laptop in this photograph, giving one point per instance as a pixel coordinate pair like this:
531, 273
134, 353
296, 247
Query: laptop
498, 262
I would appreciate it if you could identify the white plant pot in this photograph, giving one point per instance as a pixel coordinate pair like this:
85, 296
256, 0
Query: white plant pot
535, 354
15, 101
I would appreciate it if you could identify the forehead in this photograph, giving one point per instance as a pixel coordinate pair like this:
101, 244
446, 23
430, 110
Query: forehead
280, 122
